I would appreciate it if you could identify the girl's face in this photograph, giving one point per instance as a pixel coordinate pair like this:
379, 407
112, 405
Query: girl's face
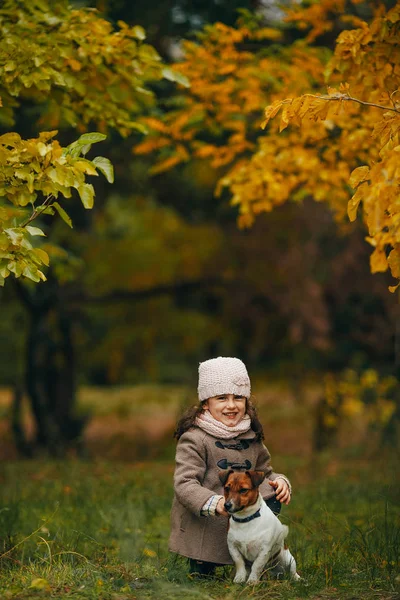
227, 408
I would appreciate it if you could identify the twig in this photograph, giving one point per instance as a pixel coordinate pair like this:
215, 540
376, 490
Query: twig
347, 97
36, 213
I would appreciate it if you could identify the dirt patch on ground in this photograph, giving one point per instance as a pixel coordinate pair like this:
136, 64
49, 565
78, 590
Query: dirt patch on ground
137, 423
110, 438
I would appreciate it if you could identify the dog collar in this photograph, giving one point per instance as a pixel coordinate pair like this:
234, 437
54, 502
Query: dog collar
247, 519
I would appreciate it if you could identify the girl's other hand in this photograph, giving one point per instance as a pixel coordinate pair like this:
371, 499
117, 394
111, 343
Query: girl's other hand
281, 490
220, 509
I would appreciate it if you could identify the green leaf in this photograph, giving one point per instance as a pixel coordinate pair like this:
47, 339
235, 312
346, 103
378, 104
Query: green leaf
42, 256
34, 230
63, 214
25, 243
105, 166
4, 272
31, 273
83, 144
85, 149
148, 53
138, 127
15, 267
86, 192
172, 75
23, 197
138, 32
14, 235
90, 138
47, 211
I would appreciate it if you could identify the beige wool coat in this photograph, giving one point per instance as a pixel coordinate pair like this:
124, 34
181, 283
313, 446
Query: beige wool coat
199, 459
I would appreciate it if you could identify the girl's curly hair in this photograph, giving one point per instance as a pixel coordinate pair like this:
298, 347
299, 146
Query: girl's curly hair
188, 419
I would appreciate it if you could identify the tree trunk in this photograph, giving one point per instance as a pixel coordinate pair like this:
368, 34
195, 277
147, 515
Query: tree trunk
50, 372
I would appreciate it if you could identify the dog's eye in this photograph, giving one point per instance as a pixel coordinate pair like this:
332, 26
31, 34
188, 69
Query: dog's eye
227, 489
243, 491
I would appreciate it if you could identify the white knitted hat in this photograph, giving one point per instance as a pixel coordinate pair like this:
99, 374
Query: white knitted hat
223, 375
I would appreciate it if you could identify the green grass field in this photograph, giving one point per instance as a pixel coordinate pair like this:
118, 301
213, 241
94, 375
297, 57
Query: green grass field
99, 528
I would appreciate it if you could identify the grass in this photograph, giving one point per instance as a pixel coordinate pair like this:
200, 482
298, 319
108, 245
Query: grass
99, 529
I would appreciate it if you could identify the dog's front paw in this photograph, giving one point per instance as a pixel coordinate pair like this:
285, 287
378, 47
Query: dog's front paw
240, 577
253, 579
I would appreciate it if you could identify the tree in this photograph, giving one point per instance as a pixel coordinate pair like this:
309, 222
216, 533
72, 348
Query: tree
114, 65
235, 71
39, 170
366, 112
68, 68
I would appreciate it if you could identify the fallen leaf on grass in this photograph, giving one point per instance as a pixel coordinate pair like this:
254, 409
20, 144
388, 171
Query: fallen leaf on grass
40, 584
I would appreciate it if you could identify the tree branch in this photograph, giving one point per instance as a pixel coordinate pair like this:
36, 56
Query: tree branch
36, 213
347, 97
129, 295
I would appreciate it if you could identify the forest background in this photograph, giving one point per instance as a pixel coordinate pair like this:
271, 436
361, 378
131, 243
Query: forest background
207, 236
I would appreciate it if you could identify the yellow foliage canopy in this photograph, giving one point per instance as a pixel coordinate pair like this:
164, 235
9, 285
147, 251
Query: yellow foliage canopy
86, 70
81, 70
354, 122
369, 59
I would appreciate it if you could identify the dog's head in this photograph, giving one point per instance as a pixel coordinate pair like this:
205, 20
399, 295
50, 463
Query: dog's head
240, 488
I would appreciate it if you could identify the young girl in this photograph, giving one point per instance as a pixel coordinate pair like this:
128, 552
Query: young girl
222, 432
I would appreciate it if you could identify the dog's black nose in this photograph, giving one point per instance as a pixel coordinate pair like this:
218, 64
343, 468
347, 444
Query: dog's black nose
228, 505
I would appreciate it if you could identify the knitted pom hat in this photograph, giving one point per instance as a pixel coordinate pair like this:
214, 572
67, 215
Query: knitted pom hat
223, 375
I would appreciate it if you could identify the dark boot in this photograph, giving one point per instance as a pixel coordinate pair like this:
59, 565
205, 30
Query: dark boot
201, 568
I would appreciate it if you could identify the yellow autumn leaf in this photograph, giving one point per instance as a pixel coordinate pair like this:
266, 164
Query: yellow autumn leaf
165, 165
305, 105
85, 166
285, 117
321, 109
271, 111
358, 175
394, 261
74, 64
378, 261
40, 584
354, 202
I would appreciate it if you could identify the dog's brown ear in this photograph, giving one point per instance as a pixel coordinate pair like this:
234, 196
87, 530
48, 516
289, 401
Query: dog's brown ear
257, 477
223, 475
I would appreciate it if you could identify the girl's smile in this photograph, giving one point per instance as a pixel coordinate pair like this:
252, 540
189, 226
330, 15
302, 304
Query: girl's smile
226, 408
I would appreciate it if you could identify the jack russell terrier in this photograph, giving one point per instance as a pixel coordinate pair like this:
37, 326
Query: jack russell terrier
255, 534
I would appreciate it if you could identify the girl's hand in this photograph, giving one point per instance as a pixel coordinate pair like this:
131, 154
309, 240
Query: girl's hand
281, 490
220, 509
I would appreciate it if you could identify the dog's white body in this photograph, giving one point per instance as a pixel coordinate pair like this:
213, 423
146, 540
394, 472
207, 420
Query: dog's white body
260, 542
